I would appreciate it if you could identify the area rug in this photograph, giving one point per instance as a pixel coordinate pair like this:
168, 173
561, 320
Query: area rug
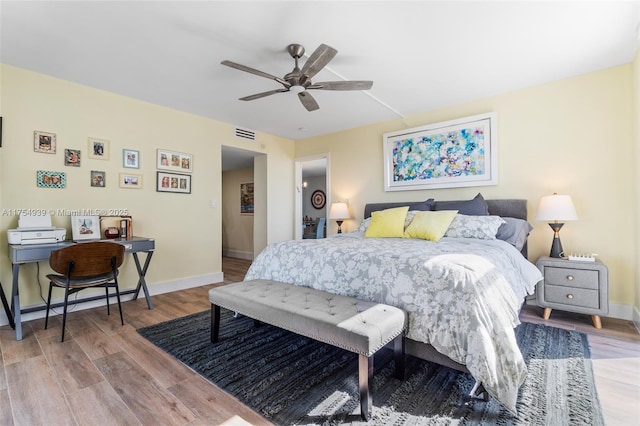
291, 380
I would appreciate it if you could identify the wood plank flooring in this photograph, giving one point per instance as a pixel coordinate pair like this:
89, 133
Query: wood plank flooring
105, 373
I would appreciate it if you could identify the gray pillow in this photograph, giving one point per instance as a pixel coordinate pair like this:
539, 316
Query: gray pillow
476, 207
514, 231
426, 205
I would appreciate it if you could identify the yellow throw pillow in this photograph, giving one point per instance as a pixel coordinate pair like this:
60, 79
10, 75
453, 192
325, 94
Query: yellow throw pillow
430, 225
387, 223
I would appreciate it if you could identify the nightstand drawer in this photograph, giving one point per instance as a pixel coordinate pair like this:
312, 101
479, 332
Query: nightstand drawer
572, 296
569, 277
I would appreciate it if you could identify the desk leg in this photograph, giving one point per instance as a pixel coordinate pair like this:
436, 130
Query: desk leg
15, 302
7, 309
141, 273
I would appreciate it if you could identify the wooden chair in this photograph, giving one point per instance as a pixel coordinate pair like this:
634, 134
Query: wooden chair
84, 265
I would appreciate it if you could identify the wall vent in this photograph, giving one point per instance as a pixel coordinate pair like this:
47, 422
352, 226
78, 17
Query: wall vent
245, 134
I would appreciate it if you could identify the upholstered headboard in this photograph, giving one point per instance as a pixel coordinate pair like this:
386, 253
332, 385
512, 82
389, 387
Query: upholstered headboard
506, 208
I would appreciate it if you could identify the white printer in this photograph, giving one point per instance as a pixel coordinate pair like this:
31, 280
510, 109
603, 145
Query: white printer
35, 230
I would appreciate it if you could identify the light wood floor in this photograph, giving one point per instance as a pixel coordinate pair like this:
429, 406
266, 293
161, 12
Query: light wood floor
106, 374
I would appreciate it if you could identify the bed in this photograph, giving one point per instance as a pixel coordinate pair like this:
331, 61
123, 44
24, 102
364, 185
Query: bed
463, 295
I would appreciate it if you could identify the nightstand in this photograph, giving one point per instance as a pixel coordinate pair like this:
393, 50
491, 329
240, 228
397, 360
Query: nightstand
573, 286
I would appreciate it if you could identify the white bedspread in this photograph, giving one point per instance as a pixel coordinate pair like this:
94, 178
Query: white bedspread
462, 295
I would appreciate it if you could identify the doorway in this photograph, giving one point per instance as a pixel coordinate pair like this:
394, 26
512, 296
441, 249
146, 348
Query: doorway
313, 189
242, 172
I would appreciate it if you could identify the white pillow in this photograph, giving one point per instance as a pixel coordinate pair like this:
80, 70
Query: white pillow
480, 227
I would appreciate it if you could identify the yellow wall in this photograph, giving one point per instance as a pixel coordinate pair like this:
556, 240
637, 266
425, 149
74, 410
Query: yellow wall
186, 228
573, 136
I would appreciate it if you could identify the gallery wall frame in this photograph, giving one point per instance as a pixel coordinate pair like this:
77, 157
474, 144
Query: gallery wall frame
130, 180
179, 162
98, 148
44, 142
130, 158
455, 153
98, 179
72, 157
50, 179
173, 182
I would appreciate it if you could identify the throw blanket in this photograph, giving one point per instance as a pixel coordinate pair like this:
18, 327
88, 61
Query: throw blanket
462, 295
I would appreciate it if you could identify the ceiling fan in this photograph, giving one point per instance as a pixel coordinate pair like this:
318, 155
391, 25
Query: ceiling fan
299, 80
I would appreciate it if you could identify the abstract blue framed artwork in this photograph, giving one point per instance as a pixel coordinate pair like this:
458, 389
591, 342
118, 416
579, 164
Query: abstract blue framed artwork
456, 153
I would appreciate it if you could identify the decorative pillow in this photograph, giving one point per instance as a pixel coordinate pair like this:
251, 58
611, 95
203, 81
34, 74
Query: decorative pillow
430, 225
481, 227
407, 220
514, 231
364, 225
476, 207
426, 205
387, 223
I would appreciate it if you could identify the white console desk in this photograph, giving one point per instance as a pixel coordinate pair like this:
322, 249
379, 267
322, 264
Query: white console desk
21, 254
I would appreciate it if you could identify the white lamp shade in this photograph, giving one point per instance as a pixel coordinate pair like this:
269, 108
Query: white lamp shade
556, 208
339, 211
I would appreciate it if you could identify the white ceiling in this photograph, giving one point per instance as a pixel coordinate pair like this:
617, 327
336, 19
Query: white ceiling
420, 55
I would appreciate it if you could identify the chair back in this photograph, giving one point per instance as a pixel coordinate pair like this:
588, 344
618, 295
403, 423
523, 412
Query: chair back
320, 227
89, 259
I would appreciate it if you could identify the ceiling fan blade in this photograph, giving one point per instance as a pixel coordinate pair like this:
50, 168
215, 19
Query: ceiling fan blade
256, 72
307, 100
343, 85
263, 94
318, 59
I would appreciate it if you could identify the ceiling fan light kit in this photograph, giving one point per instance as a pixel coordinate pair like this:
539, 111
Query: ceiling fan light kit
299, 80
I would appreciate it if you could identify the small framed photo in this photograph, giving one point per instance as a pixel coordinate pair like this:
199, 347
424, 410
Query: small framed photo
48, 179
44, 142
98, 179
173, 182
174, 161
85, 228
130, 180
130, 159
98, 149
72, 157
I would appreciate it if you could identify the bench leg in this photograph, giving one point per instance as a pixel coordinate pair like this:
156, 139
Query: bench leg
215, 323
365, 374
398, 353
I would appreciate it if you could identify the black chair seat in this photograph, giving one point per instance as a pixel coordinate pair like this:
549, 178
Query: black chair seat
96, 280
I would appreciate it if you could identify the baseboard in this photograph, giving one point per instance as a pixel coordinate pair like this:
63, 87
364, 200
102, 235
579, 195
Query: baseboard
154, 289
246, 255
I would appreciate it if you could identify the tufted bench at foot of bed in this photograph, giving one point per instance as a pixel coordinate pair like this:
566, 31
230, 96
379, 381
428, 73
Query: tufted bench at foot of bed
348, 323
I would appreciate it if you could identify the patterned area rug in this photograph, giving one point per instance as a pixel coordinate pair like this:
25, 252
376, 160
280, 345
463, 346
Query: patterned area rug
290, 379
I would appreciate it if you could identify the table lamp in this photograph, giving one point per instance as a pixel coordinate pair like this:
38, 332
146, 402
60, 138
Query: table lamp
556, 208
339, 212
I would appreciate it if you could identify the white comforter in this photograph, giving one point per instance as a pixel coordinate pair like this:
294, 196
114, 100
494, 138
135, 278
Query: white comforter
462, 296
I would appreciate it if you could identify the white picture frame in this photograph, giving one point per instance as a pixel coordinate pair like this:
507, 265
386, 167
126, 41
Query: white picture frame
456, 153
85, 228
178, 162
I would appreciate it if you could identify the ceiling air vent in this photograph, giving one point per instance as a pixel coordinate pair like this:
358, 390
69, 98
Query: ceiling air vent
245, 134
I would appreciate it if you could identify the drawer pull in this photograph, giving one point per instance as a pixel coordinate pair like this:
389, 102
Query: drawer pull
570, 277
569, 296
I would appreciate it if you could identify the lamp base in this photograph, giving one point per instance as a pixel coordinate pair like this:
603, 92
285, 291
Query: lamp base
339, 223
556, 245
